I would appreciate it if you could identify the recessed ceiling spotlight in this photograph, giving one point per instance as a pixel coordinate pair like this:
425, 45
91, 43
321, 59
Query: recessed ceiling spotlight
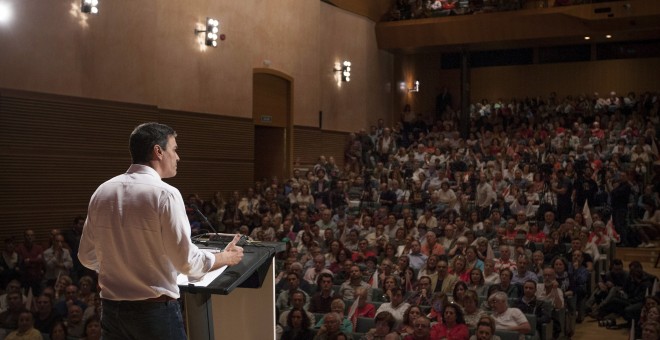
609, 36
587, 38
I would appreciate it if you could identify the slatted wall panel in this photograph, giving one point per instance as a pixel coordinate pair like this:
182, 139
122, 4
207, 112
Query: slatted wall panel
310, 143
55, 151
217, 153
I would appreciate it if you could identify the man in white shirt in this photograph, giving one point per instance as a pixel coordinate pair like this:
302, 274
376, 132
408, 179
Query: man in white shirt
137, 237
397, 307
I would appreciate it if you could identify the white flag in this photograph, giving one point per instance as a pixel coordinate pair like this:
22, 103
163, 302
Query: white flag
586, 213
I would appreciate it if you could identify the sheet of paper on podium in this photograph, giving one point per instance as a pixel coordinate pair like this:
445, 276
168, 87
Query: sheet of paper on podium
183, 280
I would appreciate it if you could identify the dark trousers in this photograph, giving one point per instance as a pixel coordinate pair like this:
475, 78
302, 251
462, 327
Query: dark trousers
137, 320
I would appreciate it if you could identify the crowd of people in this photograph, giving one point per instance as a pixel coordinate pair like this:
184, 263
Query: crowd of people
421, 233
417, 9
46, 292
432, 235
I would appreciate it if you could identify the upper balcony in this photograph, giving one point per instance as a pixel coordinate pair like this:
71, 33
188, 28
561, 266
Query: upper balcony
622, 20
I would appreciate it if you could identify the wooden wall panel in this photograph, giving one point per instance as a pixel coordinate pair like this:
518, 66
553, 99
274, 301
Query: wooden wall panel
56, 150
310, 143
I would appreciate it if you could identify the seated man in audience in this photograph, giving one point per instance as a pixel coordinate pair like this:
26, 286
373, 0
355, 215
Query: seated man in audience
506, 318
71, 297
348, 288
313, 273
297, 301
45, 316
522, 273
320, 302
529, 304
505, 260
75, 326
344, 273
397, 307
338, 307
304, 285
607, 285
417, 259
422, 294
446, 281
9, 318
629, 300
14, 286
25, 329
422, 326
549, 290
285, 298
432, 246
330, 328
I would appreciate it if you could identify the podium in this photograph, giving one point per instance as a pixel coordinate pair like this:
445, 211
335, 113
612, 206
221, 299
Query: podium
238, 304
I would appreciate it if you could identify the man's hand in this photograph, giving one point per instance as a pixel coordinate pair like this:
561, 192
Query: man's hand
231, 255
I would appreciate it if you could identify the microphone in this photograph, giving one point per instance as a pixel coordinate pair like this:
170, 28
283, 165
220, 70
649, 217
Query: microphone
194, 207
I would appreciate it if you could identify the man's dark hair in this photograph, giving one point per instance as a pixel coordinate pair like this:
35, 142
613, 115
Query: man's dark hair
387, 317
145, 137
321, 276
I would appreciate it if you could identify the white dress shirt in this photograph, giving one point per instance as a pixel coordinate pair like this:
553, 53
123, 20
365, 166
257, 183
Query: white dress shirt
137, 237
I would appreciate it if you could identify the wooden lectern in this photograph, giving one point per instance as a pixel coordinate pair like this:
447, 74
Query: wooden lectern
240, 303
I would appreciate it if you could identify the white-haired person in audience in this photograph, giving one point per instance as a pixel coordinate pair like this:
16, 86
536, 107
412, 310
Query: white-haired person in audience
507, 318
338, 307
330, 329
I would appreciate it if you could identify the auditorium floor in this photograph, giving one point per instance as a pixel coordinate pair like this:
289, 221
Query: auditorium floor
589, 328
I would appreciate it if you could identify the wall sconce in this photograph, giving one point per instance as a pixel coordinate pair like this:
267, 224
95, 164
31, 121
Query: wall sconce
211, 32
346, 71
415, 88
89, 6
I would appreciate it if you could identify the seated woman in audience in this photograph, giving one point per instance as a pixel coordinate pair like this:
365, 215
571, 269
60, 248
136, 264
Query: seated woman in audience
472, 261
484, 250
458, 293
409, 316
389, 253
490, 276
297, 326
86, 292
389, 283
365, 309
506, 286
333, 250
384, 323
305, 199
477, 283
453, 325
60, 288
485, 329
338, 306
459, 269
306, 243
535, 234
471, 307
337, 265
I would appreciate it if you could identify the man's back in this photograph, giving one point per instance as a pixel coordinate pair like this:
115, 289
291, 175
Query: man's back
132, 211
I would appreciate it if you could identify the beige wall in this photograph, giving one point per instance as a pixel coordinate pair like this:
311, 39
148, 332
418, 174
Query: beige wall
520, 81
347, 106
147, 53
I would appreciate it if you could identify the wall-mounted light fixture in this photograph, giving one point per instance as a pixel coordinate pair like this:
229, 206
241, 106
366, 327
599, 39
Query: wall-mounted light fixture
210, 33
89, 6
415, 88
346, 71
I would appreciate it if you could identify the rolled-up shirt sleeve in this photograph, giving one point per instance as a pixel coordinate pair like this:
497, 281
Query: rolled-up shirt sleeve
186, 257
